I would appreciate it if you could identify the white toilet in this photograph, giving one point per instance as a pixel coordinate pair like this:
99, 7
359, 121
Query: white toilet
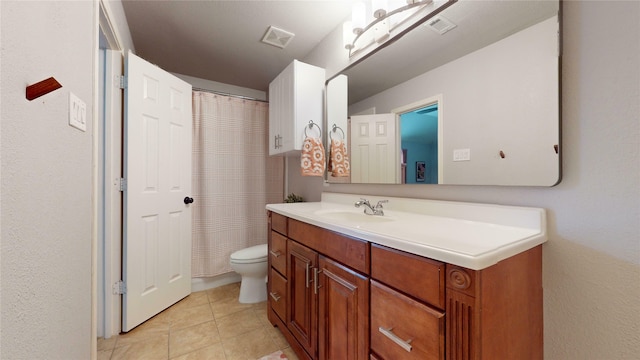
251, 264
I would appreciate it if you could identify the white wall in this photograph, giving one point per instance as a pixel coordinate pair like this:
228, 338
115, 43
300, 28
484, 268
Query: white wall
592, 259
46, 186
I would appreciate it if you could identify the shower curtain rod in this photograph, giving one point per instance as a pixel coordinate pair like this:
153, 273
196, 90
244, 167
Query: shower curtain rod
227, 94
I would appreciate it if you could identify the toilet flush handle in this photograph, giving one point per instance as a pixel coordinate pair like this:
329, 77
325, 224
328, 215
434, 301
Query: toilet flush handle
188, 200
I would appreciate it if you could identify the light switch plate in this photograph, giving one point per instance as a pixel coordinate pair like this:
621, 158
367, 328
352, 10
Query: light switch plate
461, 154
77, 112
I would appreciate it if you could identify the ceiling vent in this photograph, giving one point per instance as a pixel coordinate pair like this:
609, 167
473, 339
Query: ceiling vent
277, 37
440, 25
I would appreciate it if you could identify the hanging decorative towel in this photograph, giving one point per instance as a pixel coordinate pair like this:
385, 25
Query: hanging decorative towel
338, 159
312, 157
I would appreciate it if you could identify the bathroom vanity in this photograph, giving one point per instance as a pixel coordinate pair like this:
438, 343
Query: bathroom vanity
428, 280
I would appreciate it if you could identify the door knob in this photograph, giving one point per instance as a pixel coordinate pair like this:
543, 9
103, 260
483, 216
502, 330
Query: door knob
188, 200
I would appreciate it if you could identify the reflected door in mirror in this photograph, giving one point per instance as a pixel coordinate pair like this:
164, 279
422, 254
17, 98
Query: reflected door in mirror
375, 154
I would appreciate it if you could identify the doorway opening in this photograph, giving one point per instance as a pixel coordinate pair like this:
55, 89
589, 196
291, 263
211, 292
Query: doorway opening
420, 133
108, 204
419, 144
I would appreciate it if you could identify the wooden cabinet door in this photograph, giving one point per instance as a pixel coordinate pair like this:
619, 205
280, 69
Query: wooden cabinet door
281, 96
302, 315
295, 97
343, 321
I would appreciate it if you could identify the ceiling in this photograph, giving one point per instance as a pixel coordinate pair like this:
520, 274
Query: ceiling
221, 40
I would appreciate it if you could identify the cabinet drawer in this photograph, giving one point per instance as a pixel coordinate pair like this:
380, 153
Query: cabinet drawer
349, 251
417, 276
278, 294
278, 252
279, 223
402, 328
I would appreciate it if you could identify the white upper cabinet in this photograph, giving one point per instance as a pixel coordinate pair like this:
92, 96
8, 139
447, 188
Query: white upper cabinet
295, 98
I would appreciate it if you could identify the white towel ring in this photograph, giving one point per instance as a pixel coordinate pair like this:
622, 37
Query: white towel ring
310, 126
334, 129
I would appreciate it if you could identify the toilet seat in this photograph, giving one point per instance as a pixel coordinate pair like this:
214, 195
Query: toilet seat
250, 255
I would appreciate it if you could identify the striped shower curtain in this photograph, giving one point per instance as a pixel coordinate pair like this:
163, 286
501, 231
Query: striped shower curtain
233, 179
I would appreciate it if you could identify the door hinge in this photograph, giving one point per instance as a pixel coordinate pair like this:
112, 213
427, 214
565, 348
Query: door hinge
119, 288
120, 81
121, 183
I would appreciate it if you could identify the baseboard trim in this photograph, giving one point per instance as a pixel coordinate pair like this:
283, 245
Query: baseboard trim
206, 283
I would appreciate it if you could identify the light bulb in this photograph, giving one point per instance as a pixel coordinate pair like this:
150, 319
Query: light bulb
359, 17
347, 35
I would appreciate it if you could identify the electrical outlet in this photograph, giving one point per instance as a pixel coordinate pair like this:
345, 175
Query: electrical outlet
461, 154
77, 112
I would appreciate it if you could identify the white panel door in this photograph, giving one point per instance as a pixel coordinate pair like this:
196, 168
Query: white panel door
157, 168
375, 157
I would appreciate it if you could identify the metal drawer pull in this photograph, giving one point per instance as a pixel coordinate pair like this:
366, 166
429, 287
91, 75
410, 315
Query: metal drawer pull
275, 296
316, 283
393, 337
307, 280
275, 253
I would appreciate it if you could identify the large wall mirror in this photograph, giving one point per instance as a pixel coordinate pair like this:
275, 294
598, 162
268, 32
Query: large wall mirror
476, 105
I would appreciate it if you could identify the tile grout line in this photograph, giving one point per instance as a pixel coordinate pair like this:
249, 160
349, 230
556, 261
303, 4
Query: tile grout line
185, 304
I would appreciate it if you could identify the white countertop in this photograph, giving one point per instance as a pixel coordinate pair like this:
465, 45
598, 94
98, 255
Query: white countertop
471, 235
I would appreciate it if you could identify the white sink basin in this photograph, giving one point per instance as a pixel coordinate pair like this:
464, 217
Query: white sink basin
352, 216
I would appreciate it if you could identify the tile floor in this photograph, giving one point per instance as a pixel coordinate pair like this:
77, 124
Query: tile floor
207, 325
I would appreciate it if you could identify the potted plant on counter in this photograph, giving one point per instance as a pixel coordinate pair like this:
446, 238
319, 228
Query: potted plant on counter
293, 198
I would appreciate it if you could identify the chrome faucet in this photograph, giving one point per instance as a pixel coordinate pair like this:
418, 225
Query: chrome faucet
377, 210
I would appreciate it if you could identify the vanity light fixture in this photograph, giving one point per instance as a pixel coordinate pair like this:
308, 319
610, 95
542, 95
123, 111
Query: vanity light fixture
379, 8
348, 36
376, 15
359, 17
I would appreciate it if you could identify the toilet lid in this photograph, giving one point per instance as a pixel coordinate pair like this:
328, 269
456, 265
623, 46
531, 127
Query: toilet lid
250, 254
